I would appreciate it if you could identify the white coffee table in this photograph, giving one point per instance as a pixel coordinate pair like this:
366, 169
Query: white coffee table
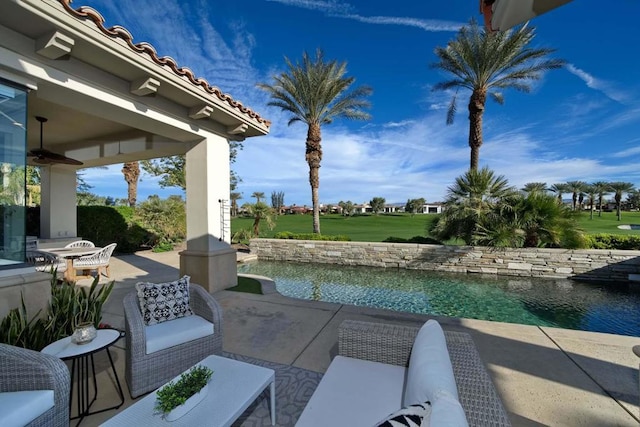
233, 387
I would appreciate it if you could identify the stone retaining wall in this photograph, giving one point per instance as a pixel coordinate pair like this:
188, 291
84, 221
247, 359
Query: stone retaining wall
591, 264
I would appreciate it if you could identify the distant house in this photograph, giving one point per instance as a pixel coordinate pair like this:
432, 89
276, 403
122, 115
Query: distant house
432, 208
296, 210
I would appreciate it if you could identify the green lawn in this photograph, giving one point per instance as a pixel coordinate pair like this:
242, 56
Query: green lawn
609, 223
371, 228
360, 228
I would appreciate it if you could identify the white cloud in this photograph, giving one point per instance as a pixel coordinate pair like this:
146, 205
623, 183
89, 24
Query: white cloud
634, 151
330, 7
109, 182
343, 10
423, 24
603, 86
399, 124
419, 159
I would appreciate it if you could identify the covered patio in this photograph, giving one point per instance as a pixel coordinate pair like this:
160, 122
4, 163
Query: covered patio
544, 376
109, 100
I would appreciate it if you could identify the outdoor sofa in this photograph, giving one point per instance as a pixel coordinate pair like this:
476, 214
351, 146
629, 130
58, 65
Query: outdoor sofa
34, 388
379, 370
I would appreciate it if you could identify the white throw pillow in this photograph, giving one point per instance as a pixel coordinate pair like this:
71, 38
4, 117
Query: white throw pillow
430, 374
447, 411
160, 302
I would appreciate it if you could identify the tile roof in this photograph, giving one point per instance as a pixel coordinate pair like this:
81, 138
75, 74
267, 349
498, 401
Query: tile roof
86, 12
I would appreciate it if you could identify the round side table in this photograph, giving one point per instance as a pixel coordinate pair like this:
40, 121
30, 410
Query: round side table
80, 355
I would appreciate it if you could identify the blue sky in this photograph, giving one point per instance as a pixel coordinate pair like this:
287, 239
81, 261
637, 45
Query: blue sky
577, 123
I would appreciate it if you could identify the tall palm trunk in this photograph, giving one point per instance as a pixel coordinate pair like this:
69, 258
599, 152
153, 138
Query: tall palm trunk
131, 172
600, 205
313, 157
476, 110
618, 199
256, 226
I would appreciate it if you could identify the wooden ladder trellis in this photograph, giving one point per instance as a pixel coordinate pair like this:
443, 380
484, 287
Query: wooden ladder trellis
225, 219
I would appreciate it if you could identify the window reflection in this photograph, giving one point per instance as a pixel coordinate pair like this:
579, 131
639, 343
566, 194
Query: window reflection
13, 173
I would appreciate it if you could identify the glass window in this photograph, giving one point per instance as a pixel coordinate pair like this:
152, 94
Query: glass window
13, 168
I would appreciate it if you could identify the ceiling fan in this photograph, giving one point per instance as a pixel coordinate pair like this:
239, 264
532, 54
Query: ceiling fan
46, 157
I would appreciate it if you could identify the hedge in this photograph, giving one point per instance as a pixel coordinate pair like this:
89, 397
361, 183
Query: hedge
103, 225
613, 241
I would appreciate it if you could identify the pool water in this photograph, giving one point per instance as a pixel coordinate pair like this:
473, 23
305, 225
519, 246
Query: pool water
570, 304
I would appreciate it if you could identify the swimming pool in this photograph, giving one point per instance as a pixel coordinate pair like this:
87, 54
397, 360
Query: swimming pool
587, 306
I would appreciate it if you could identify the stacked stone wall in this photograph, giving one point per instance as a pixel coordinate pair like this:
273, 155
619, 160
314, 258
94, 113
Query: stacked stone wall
592, 264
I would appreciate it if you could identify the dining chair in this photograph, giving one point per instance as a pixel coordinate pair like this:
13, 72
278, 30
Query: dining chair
96, 261
45, 261
81, 244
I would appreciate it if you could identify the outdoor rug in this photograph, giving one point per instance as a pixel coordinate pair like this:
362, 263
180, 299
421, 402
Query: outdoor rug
294, 387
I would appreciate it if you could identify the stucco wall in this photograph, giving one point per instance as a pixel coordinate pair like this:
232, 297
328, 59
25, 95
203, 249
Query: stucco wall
589, 264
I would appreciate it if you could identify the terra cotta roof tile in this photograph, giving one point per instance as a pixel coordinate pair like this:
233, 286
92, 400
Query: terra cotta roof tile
86, 12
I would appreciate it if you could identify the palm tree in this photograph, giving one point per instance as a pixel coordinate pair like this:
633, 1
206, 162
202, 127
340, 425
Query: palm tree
234, 196
487, 63
592, 192
535, 187
559, 188
575, 187
260, 212
620, 188
601, 188
316, 93
131, 172
469, 205
259, 195
536, 220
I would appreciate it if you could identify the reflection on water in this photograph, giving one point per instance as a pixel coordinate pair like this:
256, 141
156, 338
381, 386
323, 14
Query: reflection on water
588, 306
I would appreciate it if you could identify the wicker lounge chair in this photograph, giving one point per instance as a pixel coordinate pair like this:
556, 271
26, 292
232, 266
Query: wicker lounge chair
27, 370
391, 344
146, 372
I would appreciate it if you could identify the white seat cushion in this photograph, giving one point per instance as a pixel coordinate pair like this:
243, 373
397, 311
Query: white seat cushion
354, 392
175, 332
19, 408
430, 374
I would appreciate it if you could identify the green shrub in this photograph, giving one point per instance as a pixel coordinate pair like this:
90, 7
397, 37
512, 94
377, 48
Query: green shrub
613, 241
17, 330
310, 236
69, 304
103, 225
415, 239
166, 218
242, 236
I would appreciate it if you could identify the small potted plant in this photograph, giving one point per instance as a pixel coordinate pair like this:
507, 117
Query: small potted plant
177, 398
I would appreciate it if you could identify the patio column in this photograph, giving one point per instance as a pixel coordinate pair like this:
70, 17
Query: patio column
208, 259
58, 216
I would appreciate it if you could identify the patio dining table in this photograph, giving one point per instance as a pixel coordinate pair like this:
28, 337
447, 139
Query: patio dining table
69, 254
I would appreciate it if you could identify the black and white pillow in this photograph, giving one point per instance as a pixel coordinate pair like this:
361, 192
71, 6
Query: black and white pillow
410, 416
160, 302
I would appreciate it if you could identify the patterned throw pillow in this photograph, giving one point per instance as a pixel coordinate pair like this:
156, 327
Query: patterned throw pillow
160, 302
411, 416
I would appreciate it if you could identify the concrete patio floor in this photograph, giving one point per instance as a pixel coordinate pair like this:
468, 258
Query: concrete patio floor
545, 376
